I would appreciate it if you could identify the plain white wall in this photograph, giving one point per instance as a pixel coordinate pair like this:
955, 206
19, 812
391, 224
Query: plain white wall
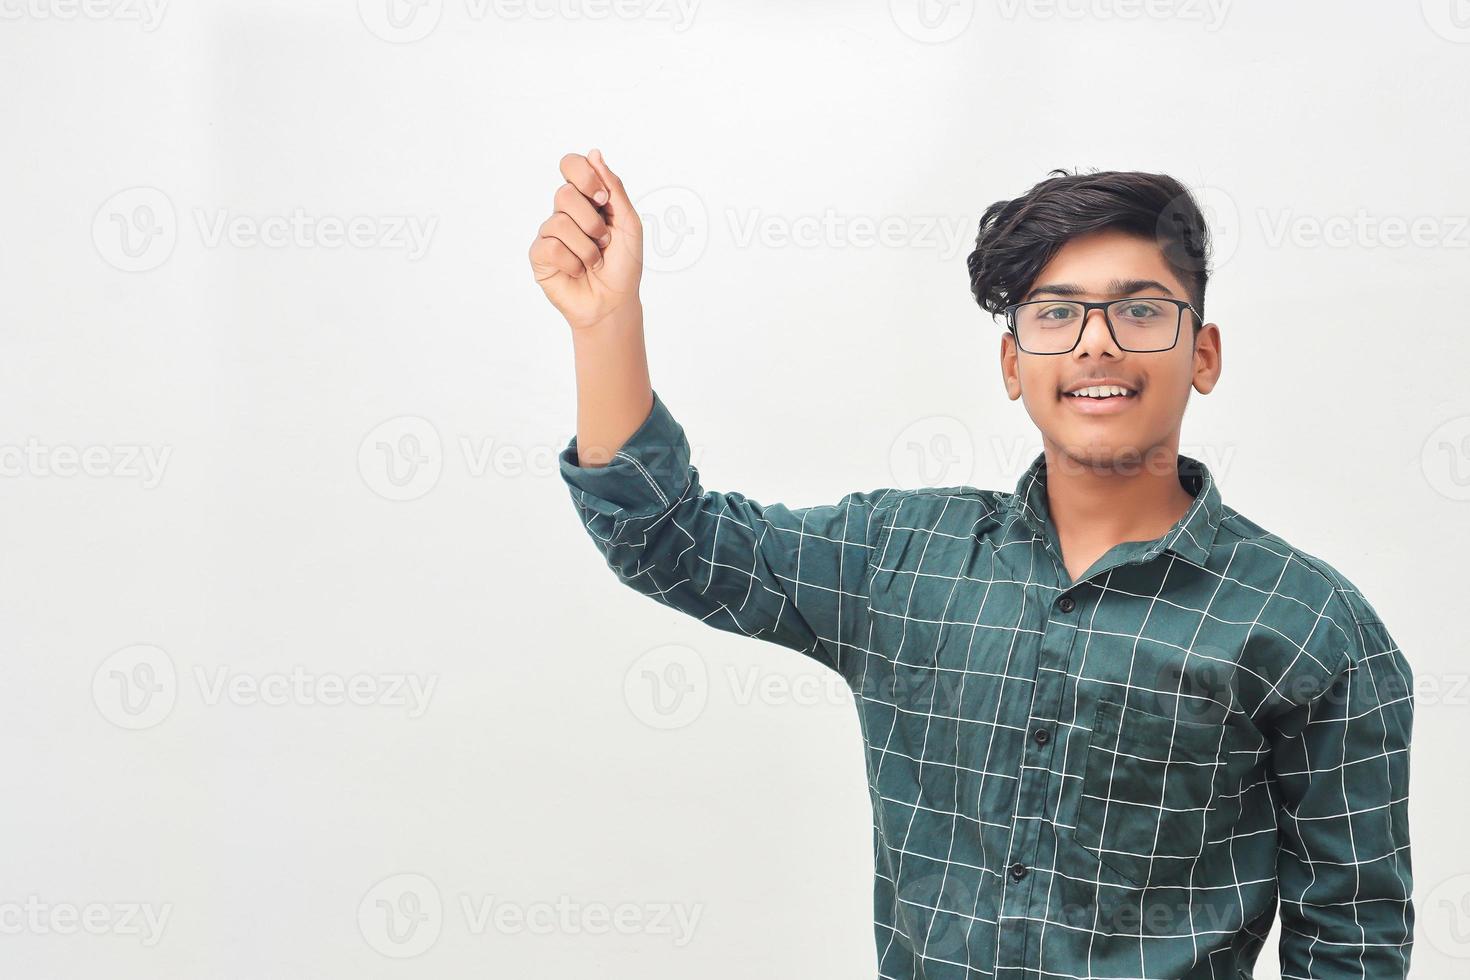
205, 548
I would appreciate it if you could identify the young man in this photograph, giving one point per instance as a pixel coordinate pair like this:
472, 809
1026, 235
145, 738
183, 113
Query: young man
1108, 719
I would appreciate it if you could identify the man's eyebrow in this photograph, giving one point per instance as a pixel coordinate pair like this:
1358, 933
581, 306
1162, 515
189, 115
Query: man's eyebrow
1118, 287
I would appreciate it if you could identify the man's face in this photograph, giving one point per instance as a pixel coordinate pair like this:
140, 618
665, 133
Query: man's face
1118, 431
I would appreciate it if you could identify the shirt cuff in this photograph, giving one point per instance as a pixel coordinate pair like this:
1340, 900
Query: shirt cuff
649, 472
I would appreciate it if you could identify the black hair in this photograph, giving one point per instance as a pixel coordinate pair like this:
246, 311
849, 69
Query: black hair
1018, 237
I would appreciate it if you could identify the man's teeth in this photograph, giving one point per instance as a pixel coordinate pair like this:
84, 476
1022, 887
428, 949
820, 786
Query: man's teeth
1099, 391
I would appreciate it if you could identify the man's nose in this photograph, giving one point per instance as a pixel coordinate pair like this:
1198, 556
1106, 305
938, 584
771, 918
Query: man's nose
1096, 338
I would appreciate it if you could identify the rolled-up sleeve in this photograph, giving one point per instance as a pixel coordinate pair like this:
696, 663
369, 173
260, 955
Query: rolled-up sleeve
1341, 763
794, 577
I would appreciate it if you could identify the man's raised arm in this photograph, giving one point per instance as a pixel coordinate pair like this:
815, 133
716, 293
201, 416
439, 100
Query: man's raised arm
795, 577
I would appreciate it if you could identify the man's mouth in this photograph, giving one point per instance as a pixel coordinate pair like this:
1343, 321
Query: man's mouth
1102, 392
1104, 399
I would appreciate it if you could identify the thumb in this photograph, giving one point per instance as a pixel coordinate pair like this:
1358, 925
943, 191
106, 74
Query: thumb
618, 209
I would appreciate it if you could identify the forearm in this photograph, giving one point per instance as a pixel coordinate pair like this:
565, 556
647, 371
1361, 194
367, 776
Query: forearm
1344, 868
797, 577
1367, 936
614, 393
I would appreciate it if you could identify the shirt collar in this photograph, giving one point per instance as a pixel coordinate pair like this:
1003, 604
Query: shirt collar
1191, 536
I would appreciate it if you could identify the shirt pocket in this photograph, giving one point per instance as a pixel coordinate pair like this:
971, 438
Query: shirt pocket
1146, 791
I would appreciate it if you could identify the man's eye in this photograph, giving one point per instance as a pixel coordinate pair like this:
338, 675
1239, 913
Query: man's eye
1140, 311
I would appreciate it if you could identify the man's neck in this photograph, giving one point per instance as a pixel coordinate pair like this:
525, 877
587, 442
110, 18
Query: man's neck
1097, 507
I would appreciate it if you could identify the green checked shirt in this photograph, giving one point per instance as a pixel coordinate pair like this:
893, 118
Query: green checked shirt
1112, 777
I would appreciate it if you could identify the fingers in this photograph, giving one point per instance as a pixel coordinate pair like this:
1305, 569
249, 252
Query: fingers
619, 207
571, 200
580, 174
551, 253
589, 207
561, 227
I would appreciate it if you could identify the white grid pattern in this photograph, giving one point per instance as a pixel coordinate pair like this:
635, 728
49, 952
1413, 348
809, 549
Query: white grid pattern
1223, 717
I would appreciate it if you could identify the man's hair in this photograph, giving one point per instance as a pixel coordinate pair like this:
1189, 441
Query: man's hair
1018, 238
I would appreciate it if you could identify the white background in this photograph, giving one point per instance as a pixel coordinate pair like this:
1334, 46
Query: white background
263, 381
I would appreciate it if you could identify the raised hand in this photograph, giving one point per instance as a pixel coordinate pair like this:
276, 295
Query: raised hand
588, 256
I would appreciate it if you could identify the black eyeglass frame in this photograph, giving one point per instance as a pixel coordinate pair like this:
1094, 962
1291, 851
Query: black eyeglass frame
1088, 307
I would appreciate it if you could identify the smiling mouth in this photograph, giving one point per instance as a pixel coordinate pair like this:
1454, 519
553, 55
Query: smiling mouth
1100, 400
1100, 393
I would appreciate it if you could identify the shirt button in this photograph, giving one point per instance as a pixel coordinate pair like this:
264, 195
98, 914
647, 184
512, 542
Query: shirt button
1042, 736
1065, 603
1018, 871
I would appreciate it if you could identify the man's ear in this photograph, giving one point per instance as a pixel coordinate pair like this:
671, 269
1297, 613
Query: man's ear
1206, 358
1009, 372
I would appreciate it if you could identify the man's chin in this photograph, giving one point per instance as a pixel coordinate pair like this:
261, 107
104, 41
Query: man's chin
1101, 451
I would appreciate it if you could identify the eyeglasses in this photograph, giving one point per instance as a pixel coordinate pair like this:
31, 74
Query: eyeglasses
1141, 324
